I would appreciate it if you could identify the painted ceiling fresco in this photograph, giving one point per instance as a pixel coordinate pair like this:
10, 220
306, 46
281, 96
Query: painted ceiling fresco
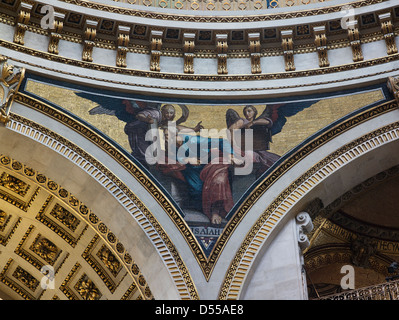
196, 151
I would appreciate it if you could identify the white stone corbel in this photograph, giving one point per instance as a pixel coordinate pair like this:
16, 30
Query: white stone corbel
304, 225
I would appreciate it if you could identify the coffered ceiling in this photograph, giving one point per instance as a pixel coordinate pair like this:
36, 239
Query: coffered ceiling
54, 247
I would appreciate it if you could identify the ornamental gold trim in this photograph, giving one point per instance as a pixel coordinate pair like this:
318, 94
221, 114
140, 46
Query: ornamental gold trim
129, 166
206, 264
220, 19
85, 215
90, 40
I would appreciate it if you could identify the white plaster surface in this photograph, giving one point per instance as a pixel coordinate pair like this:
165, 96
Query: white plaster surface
277, 276
306, 61
7, 32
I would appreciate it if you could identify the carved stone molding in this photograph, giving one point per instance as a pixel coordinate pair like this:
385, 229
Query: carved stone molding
122, 44
55, 33
156, 47
88, 42
304, 226
354, 39
321, 45
188, 48
222, 49
204, 77
255, 49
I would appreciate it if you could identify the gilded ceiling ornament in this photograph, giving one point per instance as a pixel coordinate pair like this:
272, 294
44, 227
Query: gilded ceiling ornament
87, 289
22, 22
393, 85
10, 80
14, 184
45, 249
26, 278
109, 260
3, 218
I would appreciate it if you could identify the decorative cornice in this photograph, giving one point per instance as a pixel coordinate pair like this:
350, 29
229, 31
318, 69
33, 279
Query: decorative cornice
219, 19
198, 6
76, 37
194, 77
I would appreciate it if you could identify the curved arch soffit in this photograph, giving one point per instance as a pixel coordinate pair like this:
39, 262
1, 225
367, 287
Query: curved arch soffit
24, 189
291, 199
162, 245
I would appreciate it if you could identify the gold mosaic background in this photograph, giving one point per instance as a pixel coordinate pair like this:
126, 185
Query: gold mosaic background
297, 128
319, 115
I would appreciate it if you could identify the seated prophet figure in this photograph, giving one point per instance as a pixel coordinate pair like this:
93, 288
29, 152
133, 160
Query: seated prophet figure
150, 115
206, 174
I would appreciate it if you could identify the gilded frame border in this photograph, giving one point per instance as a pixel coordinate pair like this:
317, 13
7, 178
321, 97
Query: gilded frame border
206, 264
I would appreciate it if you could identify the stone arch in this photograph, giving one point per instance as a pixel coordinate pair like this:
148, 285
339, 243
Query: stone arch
342, 162
115, 204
